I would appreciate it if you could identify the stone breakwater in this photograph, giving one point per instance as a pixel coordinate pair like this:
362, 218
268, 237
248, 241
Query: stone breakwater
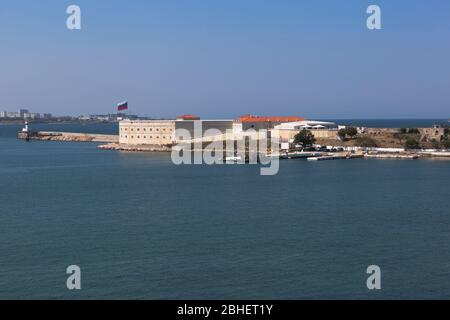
68, 137
135, 148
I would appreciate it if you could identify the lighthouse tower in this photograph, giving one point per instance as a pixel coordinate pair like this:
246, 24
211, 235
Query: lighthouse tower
26, 129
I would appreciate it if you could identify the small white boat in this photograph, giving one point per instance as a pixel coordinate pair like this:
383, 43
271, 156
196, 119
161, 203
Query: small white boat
233, 159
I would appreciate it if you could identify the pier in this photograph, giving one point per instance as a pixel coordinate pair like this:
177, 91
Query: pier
392, 156
297, 155
336, 157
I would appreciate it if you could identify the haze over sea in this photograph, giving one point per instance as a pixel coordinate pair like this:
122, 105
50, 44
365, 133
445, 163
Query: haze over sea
141, 227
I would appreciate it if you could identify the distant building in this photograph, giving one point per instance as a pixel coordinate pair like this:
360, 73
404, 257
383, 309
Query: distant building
101, 117
267, 123
429, 134
209, 127
146, 132
306, 124
162, 132
32, 116
320, 129
12, 115
23, 112
187, 117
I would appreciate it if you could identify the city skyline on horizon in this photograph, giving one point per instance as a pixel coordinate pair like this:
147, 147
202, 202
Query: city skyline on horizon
227, 59
41, 115
236, 116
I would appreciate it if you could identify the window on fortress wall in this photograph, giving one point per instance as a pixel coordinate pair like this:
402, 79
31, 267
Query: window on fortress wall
145, 129
145, 137
138, 137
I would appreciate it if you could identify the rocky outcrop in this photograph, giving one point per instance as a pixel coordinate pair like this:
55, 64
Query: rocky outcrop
68, 137
135, 148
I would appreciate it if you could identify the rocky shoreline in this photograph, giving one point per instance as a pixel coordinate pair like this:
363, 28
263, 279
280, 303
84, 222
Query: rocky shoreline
112, 143
67, 137
135, 148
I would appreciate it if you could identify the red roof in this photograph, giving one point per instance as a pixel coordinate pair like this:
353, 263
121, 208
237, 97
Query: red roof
250, 118
188, 117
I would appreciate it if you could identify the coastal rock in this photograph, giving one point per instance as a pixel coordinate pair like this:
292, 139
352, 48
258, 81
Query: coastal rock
135, 148
68, 137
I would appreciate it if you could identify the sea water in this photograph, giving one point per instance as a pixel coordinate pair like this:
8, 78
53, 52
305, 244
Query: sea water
140, 227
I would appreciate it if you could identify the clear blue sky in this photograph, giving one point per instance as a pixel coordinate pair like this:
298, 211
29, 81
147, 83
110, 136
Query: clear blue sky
224, 58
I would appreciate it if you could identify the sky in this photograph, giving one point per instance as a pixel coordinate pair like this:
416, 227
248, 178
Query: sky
226, 58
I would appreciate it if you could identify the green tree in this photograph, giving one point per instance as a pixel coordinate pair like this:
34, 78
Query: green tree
348, 132
352, 132
435, 144
342, 133
304, 138
412, 144
403, 130
446, 143
413, 131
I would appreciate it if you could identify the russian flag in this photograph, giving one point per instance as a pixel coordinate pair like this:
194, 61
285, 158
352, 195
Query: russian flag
122, 106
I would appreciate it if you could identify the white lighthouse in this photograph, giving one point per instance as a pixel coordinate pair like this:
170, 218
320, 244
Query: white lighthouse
26, 129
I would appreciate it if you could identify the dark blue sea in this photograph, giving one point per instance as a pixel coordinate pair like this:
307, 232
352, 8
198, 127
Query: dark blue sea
392, 123
142, 228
